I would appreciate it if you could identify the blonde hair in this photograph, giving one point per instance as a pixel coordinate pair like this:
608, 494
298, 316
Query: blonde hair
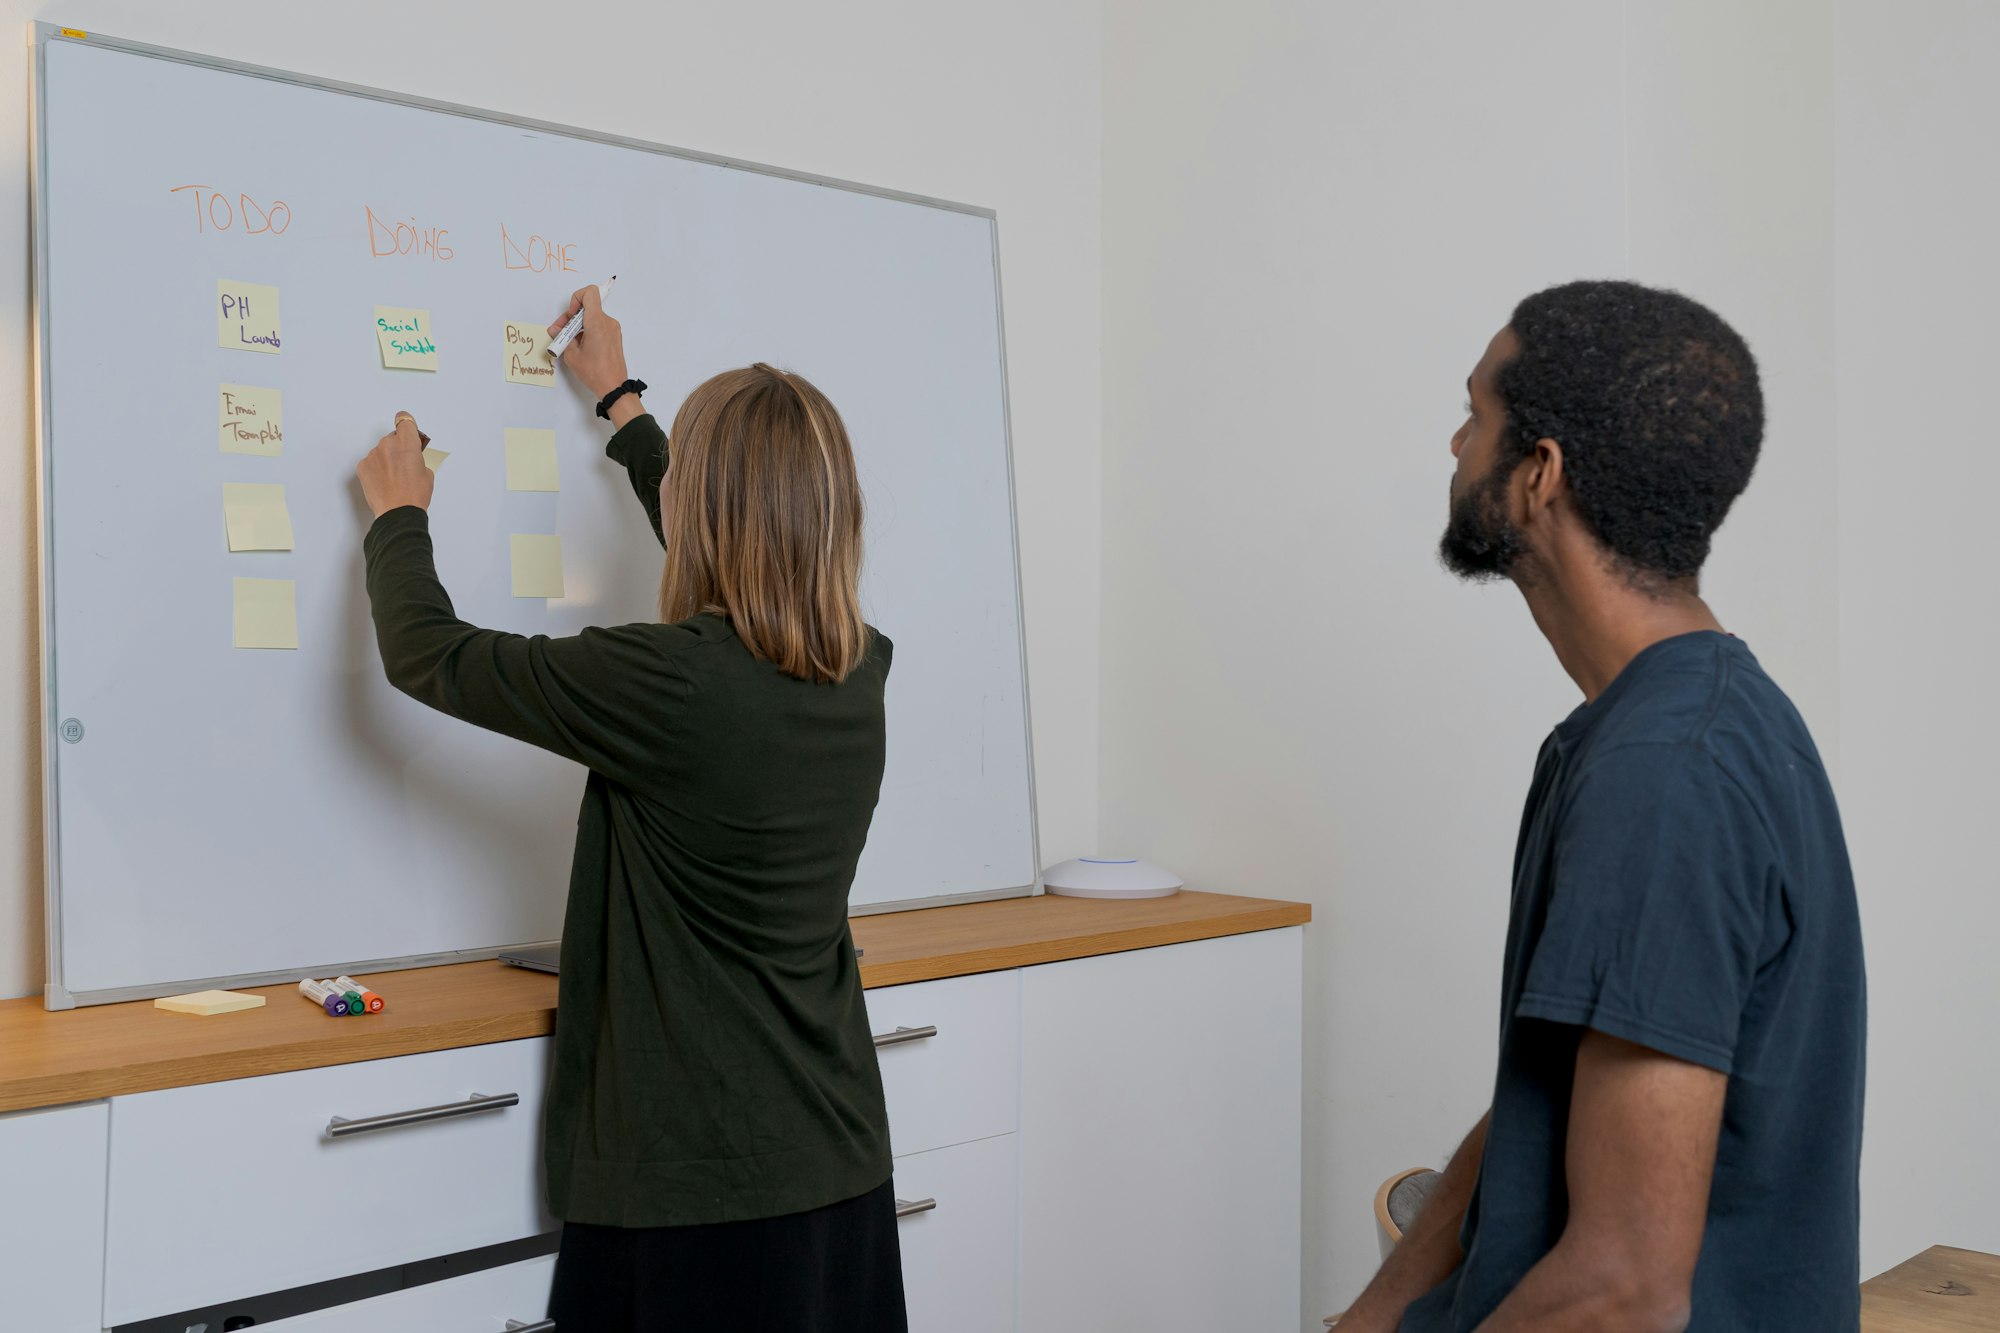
763, 521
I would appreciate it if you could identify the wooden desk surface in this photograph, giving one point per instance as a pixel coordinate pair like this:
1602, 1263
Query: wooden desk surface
1942, 1290
47, 1059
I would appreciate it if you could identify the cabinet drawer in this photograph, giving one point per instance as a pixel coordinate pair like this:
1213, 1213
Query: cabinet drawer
52, 1219
961, 1084
959, 1261
476, 1303
231, 1189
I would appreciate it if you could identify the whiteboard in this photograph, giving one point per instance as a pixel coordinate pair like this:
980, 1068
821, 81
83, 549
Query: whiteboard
225, 815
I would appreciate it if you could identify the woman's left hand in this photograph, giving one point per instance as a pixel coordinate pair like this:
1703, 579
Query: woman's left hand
393, 474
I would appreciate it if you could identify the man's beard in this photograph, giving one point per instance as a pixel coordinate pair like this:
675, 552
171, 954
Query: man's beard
1481, 543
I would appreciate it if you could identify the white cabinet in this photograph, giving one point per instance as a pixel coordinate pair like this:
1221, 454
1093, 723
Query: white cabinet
963, 1080
954, 1098
1111, 1144
52, 1167
959, 1270
224, 1190
476, 1303
1161, 1139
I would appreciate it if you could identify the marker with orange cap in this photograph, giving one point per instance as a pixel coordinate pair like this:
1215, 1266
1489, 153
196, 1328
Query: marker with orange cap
370, 1001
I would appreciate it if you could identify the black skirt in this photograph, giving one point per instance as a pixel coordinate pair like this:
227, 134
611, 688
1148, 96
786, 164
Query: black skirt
836, 1269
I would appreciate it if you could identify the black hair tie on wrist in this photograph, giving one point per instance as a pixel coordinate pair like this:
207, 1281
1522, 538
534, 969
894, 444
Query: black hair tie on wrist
629, 386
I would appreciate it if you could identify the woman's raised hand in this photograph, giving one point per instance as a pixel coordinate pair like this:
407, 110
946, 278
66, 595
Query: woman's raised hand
596, 356
393, 472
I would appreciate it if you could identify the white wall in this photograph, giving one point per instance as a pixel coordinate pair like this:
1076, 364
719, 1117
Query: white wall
1918, 283
1729, 197
977, 103
1314, 216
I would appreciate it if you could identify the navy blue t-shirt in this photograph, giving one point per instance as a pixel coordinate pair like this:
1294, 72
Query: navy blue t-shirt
1681, 882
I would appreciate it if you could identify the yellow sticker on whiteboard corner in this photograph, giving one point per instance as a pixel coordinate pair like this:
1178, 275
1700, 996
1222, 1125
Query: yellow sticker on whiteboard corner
75, 32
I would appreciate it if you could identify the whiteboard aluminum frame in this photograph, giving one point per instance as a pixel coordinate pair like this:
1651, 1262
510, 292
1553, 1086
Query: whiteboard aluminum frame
56, 994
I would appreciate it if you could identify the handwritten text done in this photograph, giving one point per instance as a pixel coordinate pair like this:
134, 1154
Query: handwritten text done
537, 254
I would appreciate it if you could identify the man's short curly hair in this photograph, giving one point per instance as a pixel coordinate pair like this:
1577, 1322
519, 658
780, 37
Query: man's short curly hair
1656, 404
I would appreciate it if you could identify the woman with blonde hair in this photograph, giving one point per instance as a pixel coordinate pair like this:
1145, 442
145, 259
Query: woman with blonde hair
716, 1143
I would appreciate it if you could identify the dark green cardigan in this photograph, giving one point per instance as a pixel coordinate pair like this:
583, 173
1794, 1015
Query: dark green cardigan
712, 1056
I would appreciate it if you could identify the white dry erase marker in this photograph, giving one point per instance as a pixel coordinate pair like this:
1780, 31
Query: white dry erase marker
575, 326
324, 996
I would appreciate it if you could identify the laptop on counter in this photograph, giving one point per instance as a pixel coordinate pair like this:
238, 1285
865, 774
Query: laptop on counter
540, 957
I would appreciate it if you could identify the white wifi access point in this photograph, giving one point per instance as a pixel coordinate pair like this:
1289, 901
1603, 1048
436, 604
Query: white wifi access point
1110, 877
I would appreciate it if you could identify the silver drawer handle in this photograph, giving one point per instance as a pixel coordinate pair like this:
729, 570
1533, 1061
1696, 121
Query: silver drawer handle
340, 1126
539, 1326
911, 1207
901, 1035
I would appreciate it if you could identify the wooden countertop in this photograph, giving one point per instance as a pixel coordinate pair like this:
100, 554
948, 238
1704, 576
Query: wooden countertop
1942, 1290
1019, 932
47, 1059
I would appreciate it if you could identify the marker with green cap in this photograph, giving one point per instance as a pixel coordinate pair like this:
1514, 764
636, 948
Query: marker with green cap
370, 1002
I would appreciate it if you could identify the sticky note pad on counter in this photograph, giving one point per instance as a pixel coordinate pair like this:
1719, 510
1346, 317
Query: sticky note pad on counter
531, 460
207, 1002
256, 517
537, 564
246, 316
253, 420
405, 336
434, 458
266, 614
526, 353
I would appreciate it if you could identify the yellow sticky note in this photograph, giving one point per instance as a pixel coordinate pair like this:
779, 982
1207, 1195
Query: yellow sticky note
537, 564
253, 420
531, 460
256, 517
208, 1003
527, 355
266, 613
246, 316
405, 336
434, 458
